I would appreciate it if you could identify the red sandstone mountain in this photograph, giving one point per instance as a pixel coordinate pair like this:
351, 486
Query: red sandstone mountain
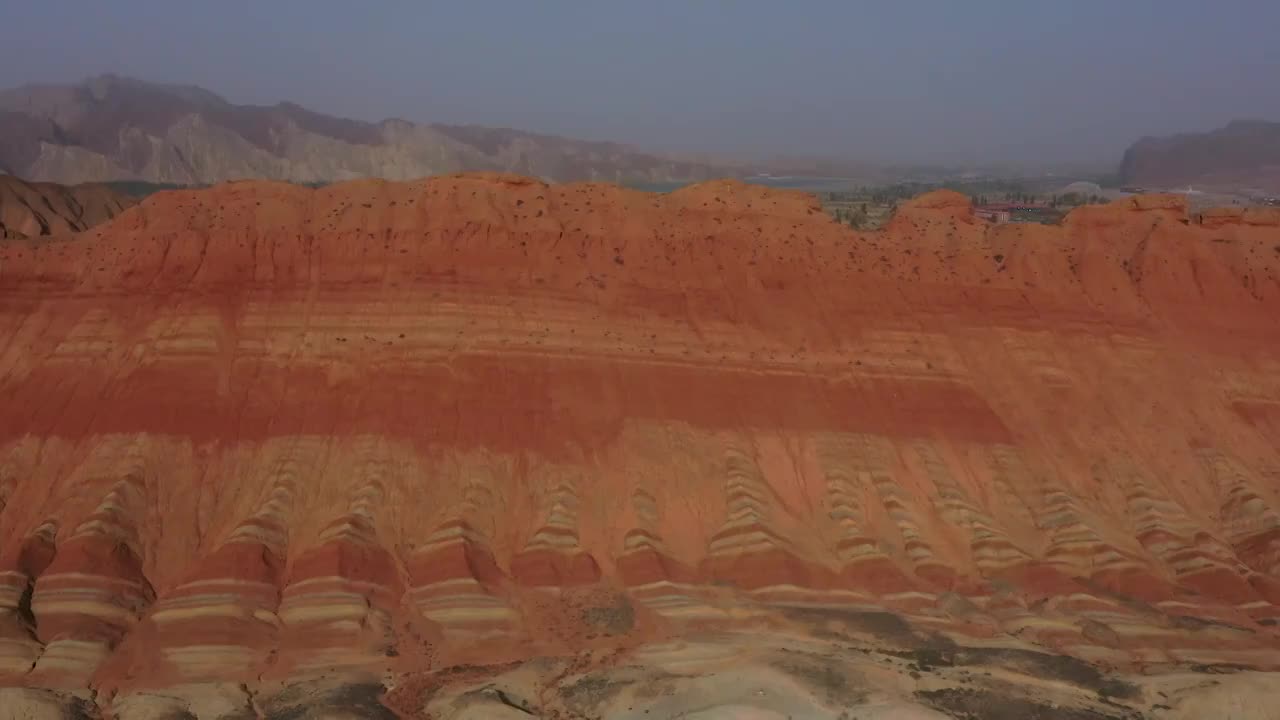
36, 209
485, 447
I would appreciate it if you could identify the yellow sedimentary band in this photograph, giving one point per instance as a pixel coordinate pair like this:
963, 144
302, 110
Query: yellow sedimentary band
329, 608
272, 535
1181, 607
451, 535
460, 582
71, 656
1009, 469
354, 529
991, 559
1156, 514
1075, 534
460, 601
641, 540
103, 527
450, 590
559, 533
646, 507
919, 551
759, 540
744, 498
910, 595
300, 588
194, 601
743, 512
1260, 658
98, 604
1130, 626
561, 515
1190, 564
546, 539
469, 613
215, 586
108, 599
1261, 612
227, 597
843, 513
676, 600
13, 585
934, 622
789, 594
1078, 546
341, 591
479, 601
859, 549
1076, 601
1246, 515
747, 498
951, 500
18, 655
221, 609
77, 576
208, 658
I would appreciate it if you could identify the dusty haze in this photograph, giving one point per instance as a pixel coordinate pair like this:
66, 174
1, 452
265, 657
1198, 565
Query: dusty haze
916, 82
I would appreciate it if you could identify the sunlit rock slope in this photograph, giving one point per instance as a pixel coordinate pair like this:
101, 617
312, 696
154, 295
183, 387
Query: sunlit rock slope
480, 446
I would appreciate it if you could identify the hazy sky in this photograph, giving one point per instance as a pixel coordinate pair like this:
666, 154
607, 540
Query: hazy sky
890, 80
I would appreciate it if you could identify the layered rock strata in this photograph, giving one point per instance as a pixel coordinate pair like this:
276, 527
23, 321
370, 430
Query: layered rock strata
379, 446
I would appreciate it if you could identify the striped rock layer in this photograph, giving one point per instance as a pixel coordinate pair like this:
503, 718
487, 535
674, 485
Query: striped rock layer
260, 434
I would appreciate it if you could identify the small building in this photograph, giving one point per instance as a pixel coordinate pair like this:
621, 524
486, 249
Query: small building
997, 214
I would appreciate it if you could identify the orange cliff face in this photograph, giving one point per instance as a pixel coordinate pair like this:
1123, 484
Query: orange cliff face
408, 437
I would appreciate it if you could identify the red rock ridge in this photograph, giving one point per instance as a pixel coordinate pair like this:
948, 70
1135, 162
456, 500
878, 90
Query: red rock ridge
259, 433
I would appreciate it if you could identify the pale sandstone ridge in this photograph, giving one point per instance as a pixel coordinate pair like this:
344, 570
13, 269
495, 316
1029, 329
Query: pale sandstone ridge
117, 128
478, 443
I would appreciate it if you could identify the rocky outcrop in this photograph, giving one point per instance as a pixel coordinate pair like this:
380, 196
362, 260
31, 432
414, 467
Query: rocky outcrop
116, 128
1243, 155
40, 209
480, 442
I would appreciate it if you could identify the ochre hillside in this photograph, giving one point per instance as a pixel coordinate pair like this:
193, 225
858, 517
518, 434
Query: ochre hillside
480, 446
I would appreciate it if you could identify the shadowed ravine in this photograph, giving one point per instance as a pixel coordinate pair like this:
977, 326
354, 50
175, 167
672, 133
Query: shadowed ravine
480, 446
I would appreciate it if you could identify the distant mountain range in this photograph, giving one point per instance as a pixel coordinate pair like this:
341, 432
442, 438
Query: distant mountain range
117, 128
1243, 155
113, 128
